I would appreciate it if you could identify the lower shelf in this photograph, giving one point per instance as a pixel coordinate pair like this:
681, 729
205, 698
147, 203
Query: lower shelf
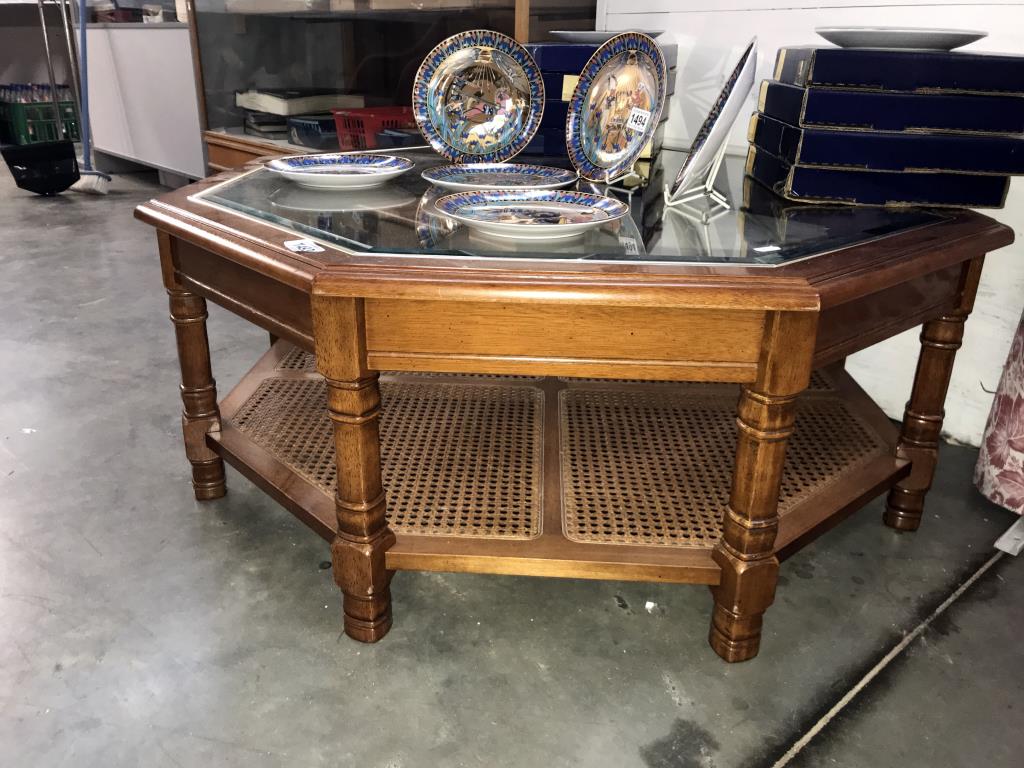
579, 477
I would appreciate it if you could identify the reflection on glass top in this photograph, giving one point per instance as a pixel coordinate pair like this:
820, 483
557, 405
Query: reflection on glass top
399, 217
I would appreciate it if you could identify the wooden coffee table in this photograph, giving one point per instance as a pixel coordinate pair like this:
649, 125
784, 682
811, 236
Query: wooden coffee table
433, 401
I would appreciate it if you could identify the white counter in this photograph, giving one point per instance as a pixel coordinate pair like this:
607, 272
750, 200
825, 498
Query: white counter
142, 97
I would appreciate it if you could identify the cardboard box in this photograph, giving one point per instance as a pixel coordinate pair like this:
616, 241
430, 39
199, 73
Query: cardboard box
818, 107
901, 70
842, 185
870, 150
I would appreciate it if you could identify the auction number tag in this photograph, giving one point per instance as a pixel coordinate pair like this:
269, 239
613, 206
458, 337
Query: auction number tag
629, 245
638, 119
303, 246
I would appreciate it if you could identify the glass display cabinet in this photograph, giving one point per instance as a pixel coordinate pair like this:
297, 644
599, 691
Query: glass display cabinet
341, 53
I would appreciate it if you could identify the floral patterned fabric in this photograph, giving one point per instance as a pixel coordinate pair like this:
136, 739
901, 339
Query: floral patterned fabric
999, 474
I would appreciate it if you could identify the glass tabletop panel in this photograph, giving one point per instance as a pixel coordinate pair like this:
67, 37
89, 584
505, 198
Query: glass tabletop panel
400, 218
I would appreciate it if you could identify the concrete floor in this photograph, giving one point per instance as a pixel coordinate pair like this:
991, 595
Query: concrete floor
139, 628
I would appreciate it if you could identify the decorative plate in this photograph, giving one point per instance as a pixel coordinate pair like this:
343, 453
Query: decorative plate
499, 176
478, 97
915, 38
616, 106
533, 215
595, 37
714, 131
354, 170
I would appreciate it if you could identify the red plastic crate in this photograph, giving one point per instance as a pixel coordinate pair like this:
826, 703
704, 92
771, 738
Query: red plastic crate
357, 128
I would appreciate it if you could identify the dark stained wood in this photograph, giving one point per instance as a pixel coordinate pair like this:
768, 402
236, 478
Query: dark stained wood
746, 551
224, 152
847, 328
198, 388
922, 420
281, 309
353, 403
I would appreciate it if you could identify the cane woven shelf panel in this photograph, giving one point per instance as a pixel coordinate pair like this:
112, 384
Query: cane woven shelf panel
655, 468
297, 360
638, 465
458, 459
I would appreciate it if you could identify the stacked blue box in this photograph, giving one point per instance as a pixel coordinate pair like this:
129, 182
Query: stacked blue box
560, 65
878, 151
890, 127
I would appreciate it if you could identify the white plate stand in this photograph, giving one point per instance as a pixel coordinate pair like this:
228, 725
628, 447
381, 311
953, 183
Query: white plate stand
610, 180
717, 203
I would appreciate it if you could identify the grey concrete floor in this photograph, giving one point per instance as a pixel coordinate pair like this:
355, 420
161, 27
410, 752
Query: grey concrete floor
140, 628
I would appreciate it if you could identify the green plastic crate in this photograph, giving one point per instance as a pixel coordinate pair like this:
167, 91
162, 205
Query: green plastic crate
35, 123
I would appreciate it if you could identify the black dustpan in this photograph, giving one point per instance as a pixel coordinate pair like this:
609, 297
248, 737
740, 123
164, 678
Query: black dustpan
46, 169
49, 167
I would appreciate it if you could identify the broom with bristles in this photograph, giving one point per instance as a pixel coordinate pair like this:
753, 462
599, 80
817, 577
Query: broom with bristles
91, 182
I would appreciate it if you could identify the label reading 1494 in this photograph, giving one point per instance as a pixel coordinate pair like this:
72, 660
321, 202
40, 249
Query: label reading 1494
638, 119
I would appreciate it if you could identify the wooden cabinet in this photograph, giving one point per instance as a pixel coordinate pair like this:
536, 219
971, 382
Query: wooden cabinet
370, 47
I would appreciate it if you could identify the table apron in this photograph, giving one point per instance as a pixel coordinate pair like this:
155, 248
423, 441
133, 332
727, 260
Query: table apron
563, 340
855, 325
278, 308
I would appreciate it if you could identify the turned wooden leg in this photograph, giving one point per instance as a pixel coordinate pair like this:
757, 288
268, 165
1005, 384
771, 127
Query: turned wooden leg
353, 402
200, 414
922, 419
746, 551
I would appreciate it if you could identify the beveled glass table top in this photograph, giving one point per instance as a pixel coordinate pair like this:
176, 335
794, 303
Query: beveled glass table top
399, 218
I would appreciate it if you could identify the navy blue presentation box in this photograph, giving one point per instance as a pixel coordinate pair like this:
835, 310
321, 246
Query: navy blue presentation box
887, 151
554, 84
570, 58
844, 185
879, 111
901, 70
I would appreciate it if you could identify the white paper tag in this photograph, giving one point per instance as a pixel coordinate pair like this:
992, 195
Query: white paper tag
629, 245
638, 119
303, 246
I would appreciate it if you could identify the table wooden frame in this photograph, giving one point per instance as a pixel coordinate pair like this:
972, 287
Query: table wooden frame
766, 329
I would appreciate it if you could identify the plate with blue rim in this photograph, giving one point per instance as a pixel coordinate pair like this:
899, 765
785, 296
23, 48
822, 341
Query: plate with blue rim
616, 106
478, 97
540, 214
470, 176
337, 170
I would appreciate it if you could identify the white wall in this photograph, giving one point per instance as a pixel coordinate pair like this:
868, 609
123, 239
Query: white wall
711, 35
